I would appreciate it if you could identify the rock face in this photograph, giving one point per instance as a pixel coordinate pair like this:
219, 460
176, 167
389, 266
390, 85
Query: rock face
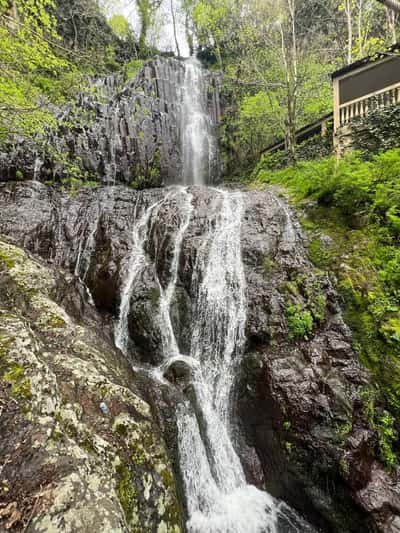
122, 133
79, 448
301, 427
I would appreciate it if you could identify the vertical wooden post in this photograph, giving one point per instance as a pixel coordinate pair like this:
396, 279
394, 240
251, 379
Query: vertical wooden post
336, 115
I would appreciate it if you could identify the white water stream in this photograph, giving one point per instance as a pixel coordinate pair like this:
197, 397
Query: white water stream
198, 142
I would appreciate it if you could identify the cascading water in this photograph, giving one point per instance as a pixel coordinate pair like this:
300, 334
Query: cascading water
218, 498
135, 264
198, 142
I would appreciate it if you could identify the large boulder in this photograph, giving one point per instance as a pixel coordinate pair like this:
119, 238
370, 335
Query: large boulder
80, 449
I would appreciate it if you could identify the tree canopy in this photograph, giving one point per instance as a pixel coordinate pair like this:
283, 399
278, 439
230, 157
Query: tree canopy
277, 57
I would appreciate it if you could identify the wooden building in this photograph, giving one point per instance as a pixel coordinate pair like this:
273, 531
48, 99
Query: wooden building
368, 84
363, 86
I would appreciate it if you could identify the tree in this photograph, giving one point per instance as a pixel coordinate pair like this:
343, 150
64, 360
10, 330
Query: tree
120, 26
32, 73
147, 10
173, 16
85, 29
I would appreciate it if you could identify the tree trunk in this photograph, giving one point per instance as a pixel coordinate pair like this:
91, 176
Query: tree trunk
349, 19
144, 14
189, 35
391, 18
174, 27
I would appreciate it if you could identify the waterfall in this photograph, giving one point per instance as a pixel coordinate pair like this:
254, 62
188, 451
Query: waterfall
198, 141
130, 271
218, 497
170, 345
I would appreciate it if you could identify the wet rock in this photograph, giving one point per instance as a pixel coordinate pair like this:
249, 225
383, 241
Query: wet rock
301, 428
299, 399
126, 133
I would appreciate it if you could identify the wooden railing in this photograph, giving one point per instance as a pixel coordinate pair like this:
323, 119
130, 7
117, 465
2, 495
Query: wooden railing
362, 106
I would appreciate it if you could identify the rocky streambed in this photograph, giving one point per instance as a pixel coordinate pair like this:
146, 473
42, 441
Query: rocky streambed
91, 444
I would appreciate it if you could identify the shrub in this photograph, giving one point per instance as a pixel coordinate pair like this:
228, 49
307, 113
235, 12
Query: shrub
300, 323
379, 130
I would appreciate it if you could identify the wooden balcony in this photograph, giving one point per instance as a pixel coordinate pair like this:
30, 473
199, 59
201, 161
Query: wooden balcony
360, 107
368, 85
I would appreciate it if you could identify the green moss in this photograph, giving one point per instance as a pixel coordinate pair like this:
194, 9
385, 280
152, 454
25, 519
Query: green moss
344, 466
292, 288
55, 322
319, 254
154, 296
172, 512
20, 385
7, 260
384, 423
288, 447
127, 492
269, 265
57, 435
87, 444
133, 67
344, 429
391, 331
318, 308
121, 429
387, 439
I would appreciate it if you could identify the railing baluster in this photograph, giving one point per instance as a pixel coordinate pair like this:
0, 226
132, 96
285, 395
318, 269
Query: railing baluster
362, 106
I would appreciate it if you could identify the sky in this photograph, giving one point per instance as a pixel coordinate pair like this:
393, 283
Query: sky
162, 36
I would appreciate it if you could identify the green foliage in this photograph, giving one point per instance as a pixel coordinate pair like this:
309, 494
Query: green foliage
312, 149
47, 48
384, 423
344, 429
300, 323
89, 37
378, 131
133, 67
387, 437
356, 201
364, 191
269, 265
33, 72
254, 129
320, 254
305, 306
120, 26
